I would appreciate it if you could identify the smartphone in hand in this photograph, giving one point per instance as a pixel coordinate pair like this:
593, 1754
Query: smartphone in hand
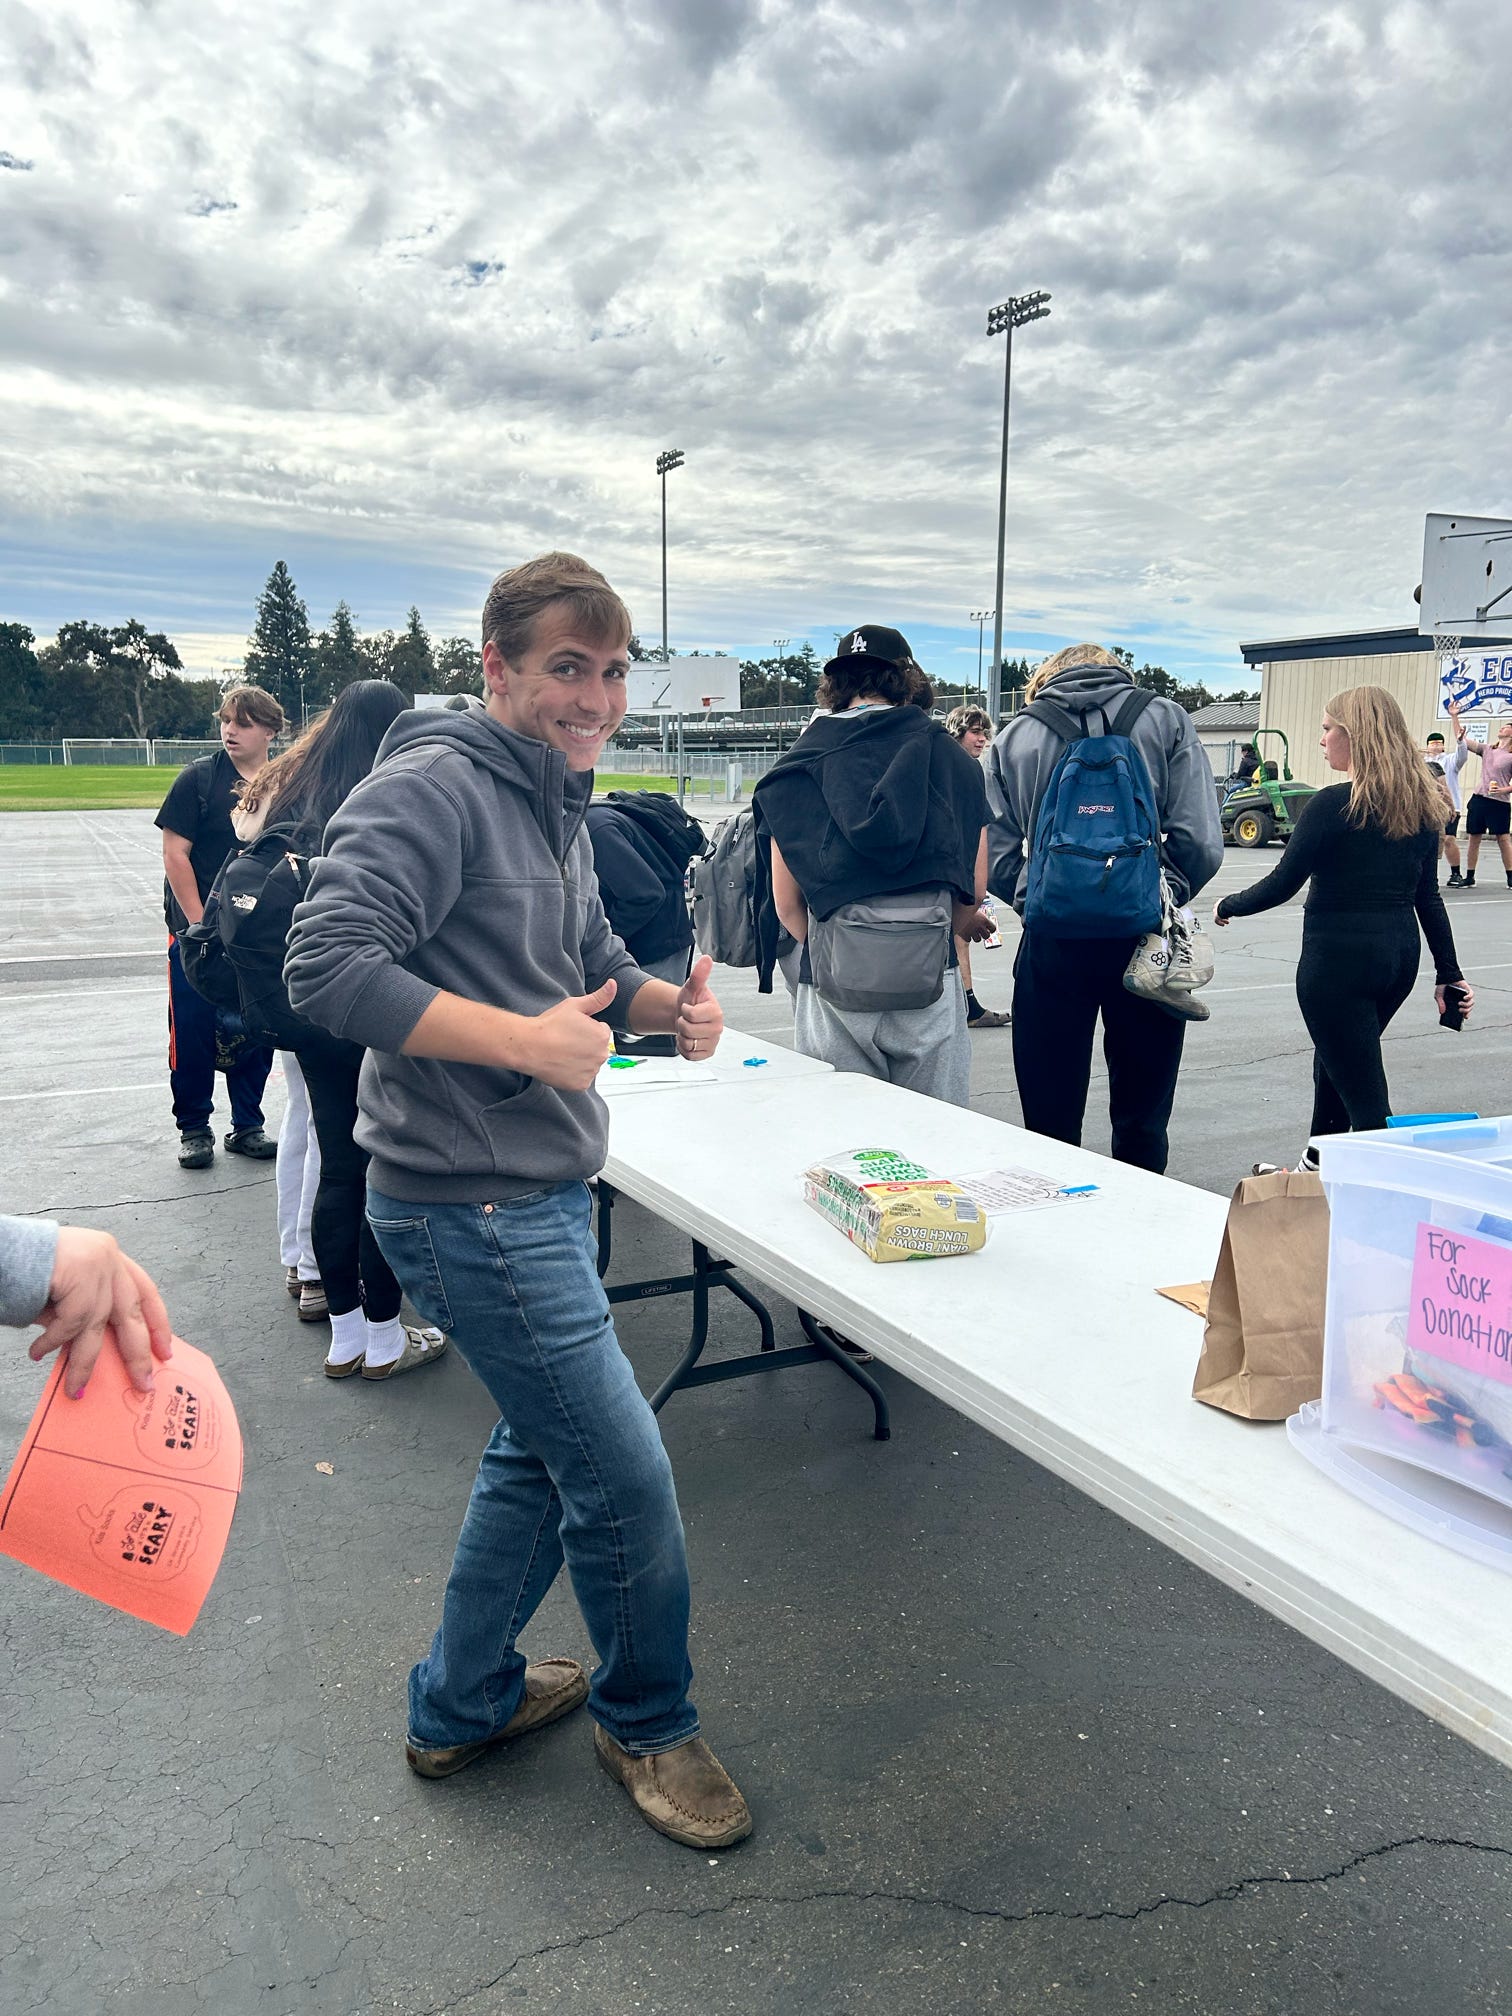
644, 1046
1453, 1016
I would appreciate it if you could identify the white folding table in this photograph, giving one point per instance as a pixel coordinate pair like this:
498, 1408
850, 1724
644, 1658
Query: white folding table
662, 1086
1054, 1338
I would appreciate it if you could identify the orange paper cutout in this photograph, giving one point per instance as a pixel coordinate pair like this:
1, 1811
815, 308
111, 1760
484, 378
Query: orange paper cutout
129, 1496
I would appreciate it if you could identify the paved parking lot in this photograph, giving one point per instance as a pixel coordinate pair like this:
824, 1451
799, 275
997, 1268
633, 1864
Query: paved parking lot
1002, 1750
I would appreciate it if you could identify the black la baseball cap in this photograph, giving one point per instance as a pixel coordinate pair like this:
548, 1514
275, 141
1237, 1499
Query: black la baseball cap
873, 640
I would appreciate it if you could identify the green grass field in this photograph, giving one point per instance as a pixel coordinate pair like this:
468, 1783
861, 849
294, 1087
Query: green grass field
107, 787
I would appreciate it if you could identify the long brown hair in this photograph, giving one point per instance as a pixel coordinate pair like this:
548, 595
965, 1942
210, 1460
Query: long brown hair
305, 785
1391, 785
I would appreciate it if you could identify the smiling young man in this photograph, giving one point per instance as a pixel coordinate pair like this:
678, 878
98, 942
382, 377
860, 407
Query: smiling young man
454, 928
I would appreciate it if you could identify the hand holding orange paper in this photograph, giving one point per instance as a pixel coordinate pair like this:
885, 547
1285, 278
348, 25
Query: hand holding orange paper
129, 1496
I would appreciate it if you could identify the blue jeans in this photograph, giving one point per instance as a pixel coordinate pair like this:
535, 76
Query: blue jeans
574, 1470
191, 1059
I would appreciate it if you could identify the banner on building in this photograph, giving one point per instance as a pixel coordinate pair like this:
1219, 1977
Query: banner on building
1478, 682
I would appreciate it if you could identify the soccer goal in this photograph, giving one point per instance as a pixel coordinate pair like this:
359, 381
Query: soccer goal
106, 749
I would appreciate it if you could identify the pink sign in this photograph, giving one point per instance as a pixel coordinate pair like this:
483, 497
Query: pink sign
1462, 1302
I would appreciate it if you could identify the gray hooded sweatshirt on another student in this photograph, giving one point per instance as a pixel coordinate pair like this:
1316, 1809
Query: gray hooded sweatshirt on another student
28, 1249
461, 864
1026, 751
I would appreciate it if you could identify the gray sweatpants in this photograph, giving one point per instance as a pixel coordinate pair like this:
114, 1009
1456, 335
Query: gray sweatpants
926, 1049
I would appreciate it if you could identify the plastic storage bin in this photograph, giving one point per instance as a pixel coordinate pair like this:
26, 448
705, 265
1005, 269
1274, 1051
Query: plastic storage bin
1416, 1412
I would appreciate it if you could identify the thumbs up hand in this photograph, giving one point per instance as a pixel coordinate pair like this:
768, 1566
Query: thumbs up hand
699, 1021
568, 1046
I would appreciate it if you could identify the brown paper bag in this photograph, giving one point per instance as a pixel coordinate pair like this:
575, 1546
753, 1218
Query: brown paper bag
1262, 1353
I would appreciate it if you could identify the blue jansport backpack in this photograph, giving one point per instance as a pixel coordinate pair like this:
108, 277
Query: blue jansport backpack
1094, 860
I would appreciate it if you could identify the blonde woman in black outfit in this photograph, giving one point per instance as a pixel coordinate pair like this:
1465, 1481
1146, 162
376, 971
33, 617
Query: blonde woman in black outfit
1371, 848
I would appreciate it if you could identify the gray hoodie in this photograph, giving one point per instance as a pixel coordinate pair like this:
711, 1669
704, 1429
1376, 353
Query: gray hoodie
461, 864
28, 1248
1021, 759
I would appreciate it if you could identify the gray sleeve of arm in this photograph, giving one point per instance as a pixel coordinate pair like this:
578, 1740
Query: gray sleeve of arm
1193, 831
28, 1248
390, 873
1005, 835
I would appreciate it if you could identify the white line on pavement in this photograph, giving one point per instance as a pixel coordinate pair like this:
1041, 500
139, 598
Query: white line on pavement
24, 1000
80, 1092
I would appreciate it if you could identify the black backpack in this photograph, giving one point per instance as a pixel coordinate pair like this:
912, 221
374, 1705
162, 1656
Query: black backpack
203, 957
253, 902
657, 813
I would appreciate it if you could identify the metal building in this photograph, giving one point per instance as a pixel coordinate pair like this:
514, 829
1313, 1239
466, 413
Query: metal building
1298, 675
1223, 727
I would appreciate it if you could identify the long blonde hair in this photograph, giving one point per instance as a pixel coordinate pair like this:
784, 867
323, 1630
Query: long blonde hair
1062, 661
1390, 782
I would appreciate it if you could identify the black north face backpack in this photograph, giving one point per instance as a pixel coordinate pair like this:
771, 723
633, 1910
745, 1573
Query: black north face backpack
253, 906
677, 833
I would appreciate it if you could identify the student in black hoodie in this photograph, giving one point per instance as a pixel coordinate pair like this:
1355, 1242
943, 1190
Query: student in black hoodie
874, 802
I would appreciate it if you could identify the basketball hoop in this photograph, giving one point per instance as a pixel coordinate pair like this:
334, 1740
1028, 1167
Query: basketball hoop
1446, 648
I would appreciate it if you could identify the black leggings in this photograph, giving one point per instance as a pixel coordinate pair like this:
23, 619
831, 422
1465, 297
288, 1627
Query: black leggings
1356, 970
353, 1271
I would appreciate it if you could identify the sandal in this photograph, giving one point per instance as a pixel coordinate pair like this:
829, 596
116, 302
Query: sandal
421, 1347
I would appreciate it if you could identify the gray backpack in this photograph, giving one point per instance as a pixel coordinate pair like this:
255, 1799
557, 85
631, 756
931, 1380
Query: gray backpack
724, 890
882, 952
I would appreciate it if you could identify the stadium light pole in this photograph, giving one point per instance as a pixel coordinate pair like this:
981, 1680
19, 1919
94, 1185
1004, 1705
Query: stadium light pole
1002, 321
981, 617
672, 459
779, 645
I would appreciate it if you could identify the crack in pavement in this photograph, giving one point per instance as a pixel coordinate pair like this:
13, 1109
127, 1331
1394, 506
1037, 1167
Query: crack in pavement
1227, 1893
125, 1203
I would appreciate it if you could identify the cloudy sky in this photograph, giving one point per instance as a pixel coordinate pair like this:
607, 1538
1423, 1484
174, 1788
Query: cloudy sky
401, 294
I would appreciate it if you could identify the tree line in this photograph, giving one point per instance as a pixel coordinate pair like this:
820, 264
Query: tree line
94, 680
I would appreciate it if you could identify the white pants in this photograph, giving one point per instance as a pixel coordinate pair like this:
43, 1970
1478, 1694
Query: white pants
298, 1172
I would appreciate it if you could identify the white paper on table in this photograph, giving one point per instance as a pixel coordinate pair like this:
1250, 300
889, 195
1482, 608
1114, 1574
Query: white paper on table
999, 1190
652, 1074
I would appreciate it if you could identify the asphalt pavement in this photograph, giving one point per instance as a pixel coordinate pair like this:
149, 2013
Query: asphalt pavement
1002, 1750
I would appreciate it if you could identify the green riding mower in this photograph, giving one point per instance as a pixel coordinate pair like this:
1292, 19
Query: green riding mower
1265, 808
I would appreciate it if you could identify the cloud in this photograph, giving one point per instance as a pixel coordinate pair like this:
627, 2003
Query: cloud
459, 293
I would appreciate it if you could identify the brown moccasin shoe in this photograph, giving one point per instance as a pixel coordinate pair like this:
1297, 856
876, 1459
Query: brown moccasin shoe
685, 1793
553, 1688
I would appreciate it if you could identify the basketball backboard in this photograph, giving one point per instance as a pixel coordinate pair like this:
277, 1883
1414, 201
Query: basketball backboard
1467, 577
684, 685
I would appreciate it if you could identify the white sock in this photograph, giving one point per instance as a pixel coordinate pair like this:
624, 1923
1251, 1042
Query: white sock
349, 1335
385, 1342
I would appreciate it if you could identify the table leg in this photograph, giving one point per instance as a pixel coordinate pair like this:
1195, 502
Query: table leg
707, 1274
849, 1366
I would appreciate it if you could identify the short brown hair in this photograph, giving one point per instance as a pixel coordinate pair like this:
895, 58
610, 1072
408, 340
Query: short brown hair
960, 720
253, 708
519, 595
